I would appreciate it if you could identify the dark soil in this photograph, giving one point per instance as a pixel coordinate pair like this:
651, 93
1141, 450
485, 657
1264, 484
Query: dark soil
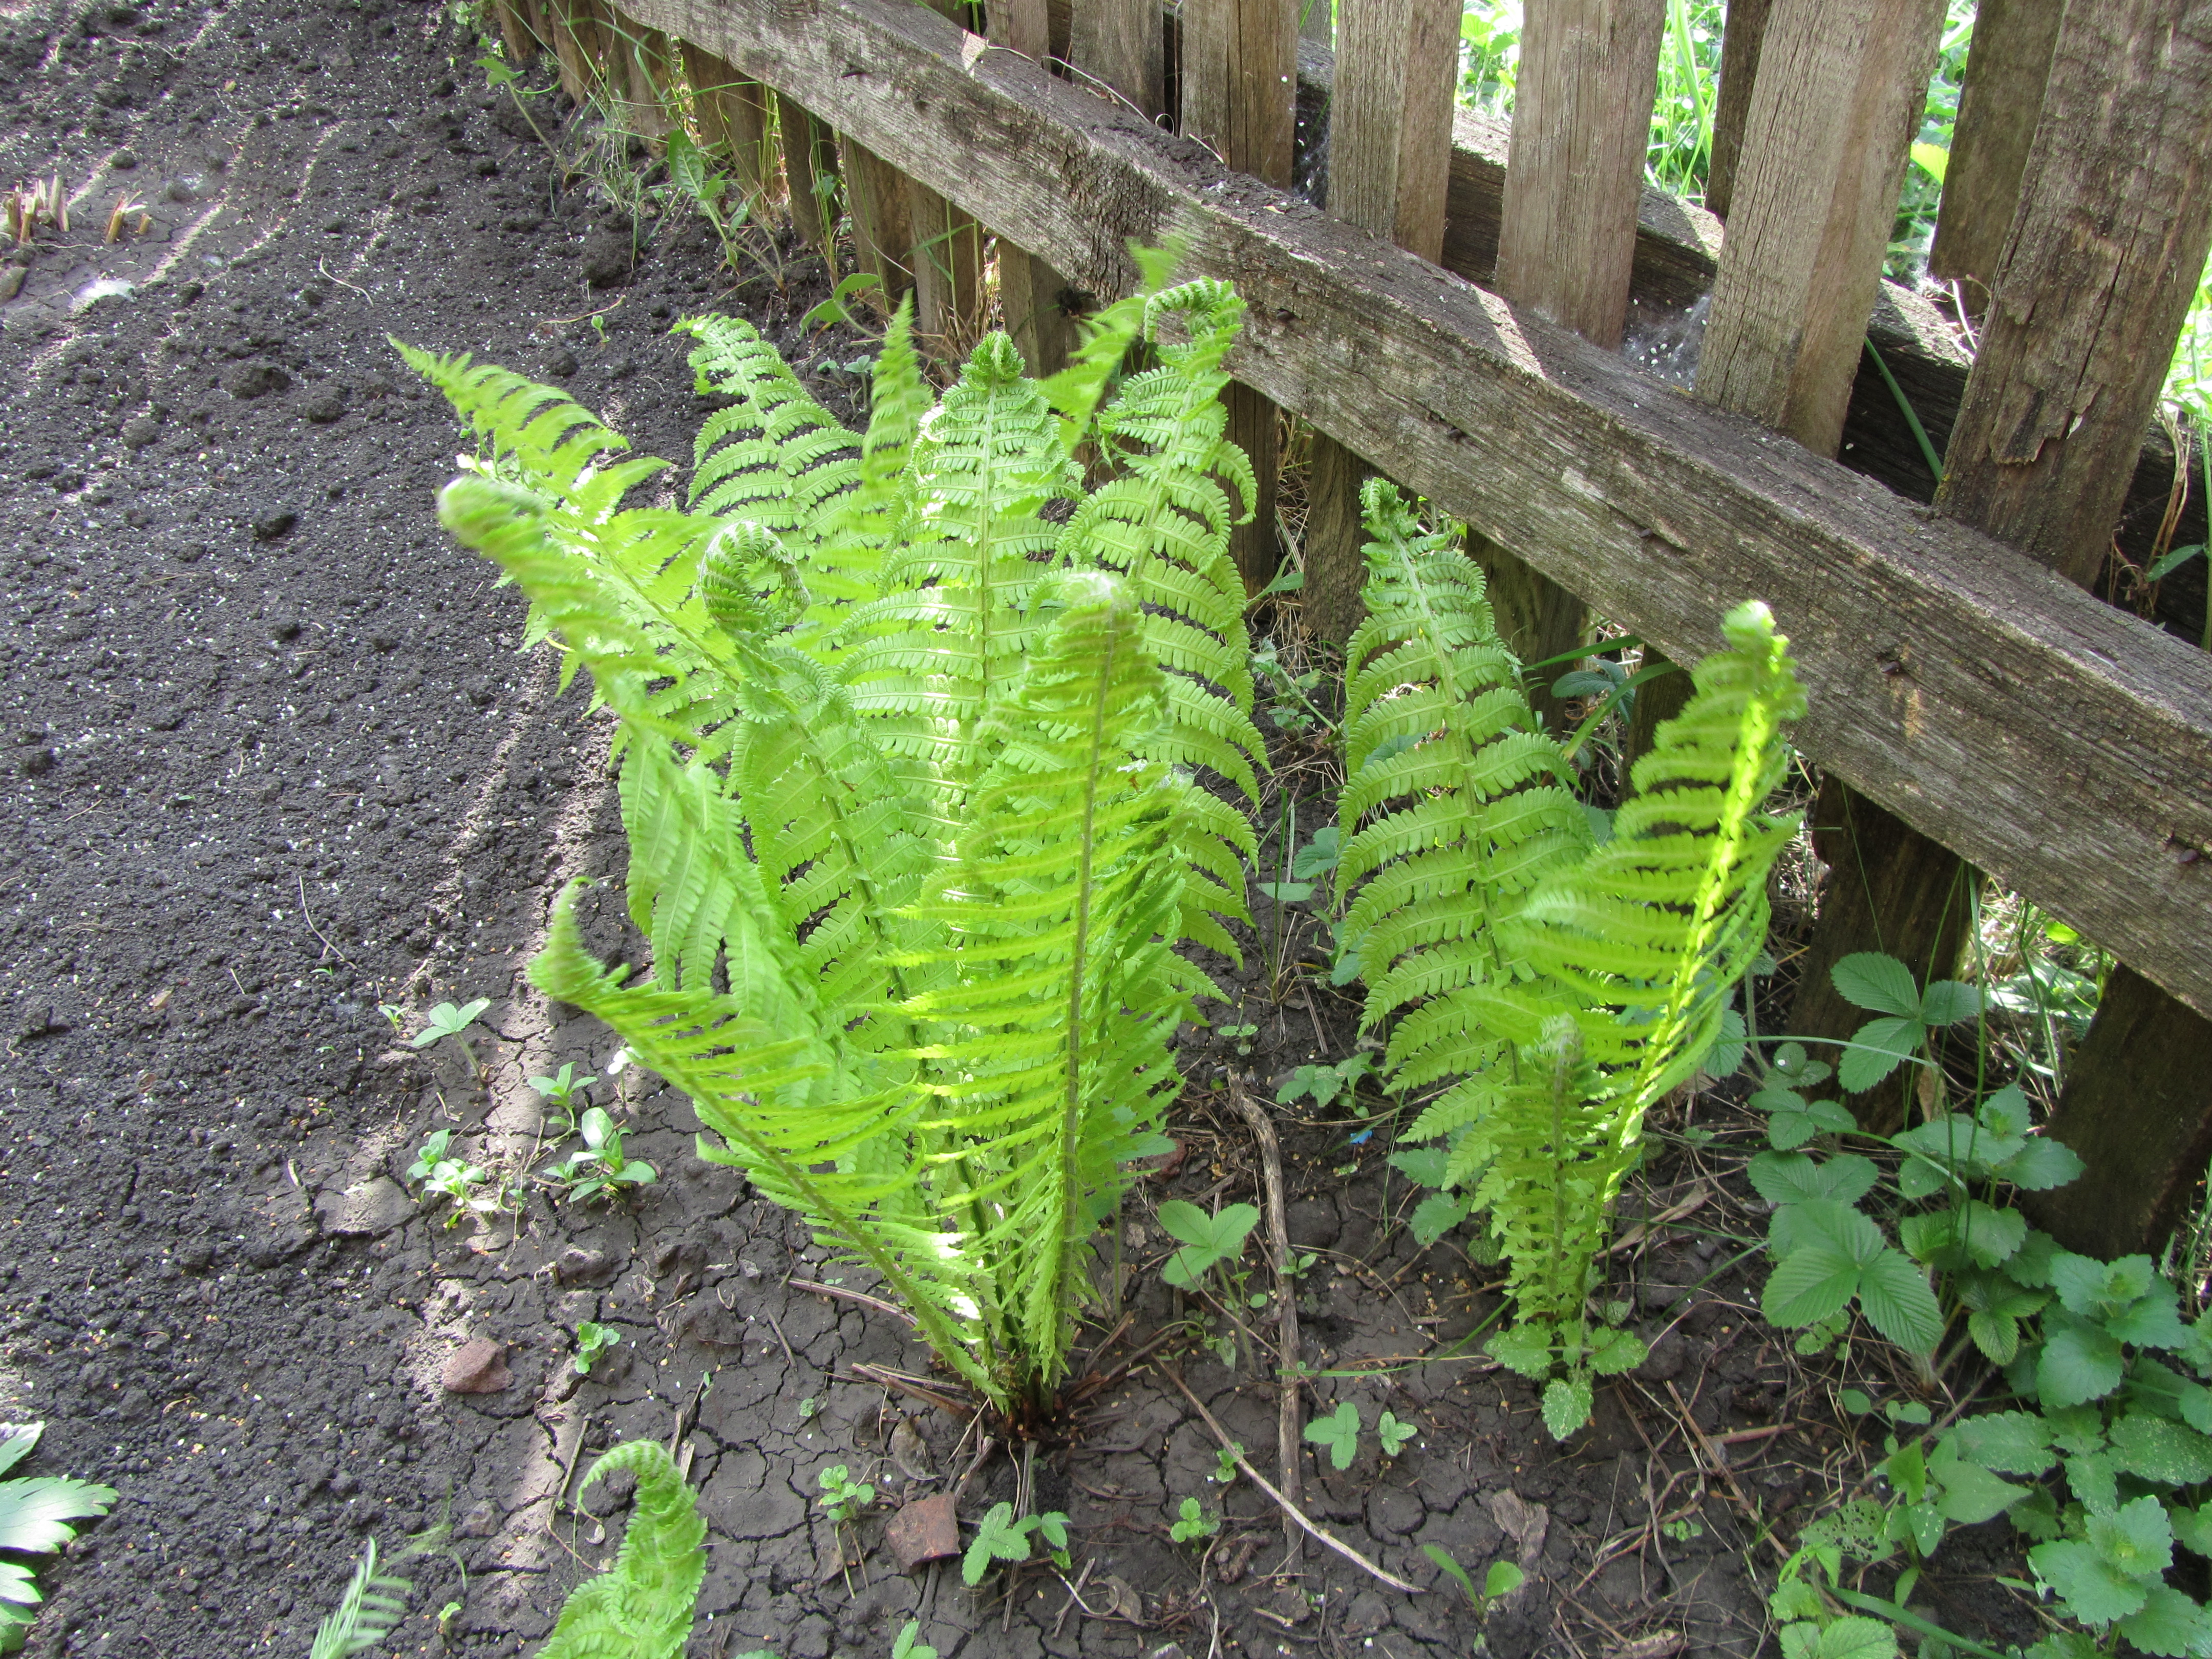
273, 759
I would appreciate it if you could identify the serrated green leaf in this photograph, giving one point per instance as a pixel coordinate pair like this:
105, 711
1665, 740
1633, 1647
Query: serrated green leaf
1894, 1295
1793, 1177
18, 1444
1613, 1351
2095, 1590
1526, 1349
2013, 1443
1435, 1215
1868, 979
2171, 1625
1566, 1404
35, 1514
2152, 1322
1339, 1432
2079, 1362
2155, 1449
2039, 1166
1423, 1166
1947, 1001
1878, 1048
1996, 1334
1968, 1493
1807, 1286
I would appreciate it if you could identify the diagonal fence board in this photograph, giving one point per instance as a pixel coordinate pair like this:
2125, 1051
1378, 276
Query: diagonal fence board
2060, 745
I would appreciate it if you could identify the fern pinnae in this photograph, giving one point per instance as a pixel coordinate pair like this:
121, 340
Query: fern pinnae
642, 1607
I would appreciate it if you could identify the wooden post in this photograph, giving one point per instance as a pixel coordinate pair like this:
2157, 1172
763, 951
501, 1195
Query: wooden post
1999, 101
1390, 116
1574, 176
1029, 288
810, 163
733, 113
1239, 84
2114, 222
1317, 21
514, 33
1741, 36
577, 46
1840, 87
1119, 43
1838, 95
947, 263
882, 228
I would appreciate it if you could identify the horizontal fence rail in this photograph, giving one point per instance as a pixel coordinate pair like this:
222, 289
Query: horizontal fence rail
2061, 744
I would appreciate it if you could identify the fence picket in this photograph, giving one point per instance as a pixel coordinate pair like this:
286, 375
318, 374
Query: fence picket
1741, 36
1999, 102
810, 170
1389, 173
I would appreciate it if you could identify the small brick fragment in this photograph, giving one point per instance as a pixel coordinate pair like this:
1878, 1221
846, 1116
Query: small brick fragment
480, 1367
925, 1531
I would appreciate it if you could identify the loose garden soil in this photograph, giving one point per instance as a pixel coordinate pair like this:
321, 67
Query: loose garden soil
273, 758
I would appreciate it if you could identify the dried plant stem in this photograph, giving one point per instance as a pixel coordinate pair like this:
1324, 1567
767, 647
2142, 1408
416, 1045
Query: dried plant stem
1286, 1319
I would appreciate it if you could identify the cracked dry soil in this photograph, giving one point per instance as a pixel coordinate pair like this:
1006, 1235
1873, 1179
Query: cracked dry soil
273, 758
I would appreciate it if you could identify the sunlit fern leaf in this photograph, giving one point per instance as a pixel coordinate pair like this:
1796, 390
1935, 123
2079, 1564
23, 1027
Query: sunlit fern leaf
1658, 925
1050, 1052
1452, 811
799, 1113
1543, 1188
1105, 338
947, 638
373, 1604
542, 438
641, 1608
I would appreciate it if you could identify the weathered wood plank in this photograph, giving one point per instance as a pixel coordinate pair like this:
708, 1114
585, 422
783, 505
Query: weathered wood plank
1742, 34
2063, 746
1574, 170
1029, 288
810, 166
1238, 77
948, 273
1567, 241
732, 113
2103, 260
1119, 43
1389, 174
1840, 87
1999, 100
883, 223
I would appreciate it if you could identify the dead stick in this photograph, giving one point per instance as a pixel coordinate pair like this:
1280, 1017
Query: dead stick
861, 1296
1286, 1321
1288, 1507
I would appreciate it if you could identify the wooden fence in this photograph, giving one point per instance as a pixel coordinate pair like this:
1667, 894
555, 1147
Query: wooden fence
1454, 316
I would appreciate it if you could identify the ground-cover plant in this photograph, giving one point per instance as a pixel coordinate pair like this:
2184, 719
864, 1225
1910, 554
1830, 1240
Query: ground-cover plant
1558, 984
905, 767
641, 1607
1192, 1523
470, 1187
1000, 1535
1338, 1432
593, 1340
843, 1497
447, 1021
599, 1169
35, 1516
560, 1091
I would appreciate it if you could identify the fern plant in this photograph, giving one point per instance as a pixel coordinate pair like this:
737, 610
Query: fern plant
909, 731
641, 1608
1556, 982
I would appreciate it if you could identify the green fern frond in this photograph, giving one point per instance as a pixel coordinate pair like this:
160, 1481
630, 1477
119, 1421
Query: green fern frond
1658, 925
1076, 392
1049, 1053
1452, 812
805, 1115
373, 1604
642, 1607
1543, 1188
929, 659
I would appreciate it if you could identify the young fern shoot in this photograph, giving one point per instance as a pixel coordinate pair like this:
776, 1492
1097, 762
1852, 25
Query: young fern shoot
1557, 986
906, 768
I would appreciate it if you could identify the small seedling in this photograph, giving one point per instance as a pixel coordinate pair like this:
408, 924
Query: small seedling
843, 1497
908, 1645
560, 1091
1207, 1240
1502, 1578
447, 1614
999, 1537
1328, 1085
1194, 1522
447, 1021
1683, 1530
807, 1407
592, 1341
834, 309
1225, 1462
454, 1178
600, 1170
1242, 1035
1394, 1433
396, 1015
1339, 1432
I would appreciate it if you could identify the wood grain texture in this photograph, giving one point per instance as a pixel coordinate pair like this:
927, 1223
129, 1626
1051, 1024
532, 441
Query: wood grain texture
1389, 173
1029, 288
1390, 120
883, 224
947, 262
2104, 257
733, 114
1742, 34
809, 167
2138, 1111
1238, 79
1574, 172
1317, 21
1022, 26
1840, 87
1120, 43
1537, 617
2063, 746
2000, 99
